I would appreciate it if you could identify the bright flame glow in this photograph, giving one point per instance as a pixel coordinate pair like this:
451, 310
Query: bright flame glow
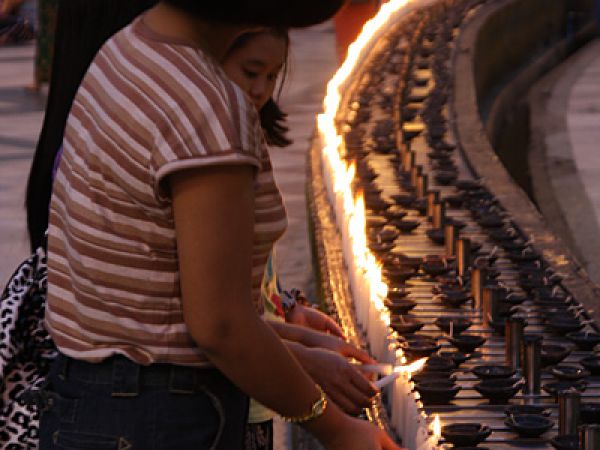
413, 367
326, 121
436, 426
342, 175
416, 366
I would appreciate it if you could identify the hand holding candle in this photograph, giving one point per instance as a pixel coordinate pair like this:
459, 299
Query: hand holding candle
392, 372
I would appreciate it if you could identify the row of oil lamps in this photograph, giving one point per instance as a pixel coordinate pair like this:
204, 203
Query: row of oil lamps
364, 274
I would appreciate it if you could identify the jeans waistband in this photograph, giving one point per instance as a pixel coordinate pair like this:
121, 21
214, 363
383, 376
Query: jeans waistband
128, 377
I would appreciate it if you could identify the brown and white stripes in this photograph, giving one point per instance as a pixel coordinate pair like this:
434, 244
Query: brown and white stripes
147, 107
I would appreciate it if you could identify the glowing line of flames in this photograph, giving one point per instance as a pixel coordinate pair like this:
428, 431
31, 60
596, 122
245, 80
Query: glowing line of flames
354, 209
343, 175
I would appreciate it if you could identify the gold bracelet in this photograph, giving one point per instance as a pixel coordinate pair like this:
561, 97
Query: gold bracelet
317, 410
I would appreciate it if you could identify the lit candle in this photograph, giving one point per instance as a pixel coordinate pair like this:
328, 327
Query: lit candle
411, 414
436, 432
398, 397
390, 354
422, 441
395, 404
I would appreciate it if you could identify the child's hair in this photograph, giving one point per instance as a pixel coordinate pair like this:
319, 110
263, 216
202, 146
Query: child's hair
268, 13
272, 118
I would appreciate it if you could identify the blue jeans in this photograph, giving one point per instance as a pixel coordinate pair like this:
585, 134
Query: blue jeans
120, 405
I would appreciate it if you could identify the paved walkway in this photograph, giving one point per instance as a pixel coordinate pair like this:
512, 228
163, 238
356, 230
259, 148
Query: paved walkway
566, 144
21, 115
312, 62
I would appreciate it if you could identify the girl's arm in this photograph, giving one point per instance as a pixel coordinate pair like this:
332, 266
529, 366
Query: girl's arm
214, 221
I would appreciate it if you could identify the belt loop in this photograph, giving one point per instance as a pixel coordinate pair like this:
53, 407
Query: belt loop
183, 380
125, 377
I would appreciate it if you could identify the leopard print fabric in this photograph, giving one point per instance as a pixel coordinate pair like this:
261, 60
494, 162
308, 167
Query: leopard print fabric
26, 351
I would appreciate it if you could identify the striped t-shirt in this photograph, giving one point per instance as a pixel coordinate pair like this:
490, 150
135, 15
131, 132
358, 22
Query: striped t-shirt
148, 107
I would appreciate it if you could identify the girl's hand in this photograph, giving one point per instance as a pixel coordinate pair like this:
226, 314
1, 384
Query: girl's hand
313, 318
344, 384
338, 345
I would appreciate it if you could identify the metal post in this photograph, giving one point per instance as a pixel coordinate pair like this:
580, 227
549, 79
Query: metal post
569, 403
450, 238
589, 437
415, 173
433, 197
408, 161
439, 216
478, 282
513, 340
531, 352
492, 296
463, 256
421, 187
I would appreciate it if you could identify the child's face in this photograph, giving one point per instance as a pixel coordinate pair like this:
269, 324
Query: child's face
256, 65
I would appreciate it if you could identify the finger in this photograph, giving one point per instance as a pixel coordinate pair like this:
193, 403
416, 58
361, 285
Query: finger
361, 383
318, 320
350, 351
334, 343
333, 327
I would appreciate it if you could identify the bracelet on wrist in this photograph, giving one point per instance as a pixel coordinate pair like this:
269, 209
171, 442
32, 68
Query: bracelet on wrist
317, 410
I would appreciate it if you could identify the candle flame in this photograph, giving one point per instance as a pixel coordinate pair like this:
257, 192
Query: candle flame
326, 121
385, 317
413, 367
416, 366
342, 174
436, 426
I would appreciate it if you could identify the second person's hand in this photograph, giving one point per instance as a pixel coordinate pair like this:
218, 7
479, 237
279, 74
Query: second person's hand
342, 382
313, 318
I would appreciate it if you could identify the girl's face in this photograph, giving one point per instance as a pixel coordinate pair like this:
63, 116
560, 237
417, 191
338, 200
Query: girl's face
255, 66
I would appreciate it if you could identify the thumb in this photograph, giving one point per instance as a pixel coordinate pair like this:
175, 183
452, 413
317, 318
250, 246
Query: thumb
334, 328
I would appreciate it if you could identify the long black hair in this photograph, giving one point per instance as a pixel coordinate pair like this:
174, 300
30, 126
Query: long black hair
272, 118
82, 27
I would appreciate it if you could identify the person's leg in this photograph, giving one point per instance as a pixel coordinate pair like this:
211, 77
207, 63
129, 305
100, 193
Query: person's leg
20, 31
